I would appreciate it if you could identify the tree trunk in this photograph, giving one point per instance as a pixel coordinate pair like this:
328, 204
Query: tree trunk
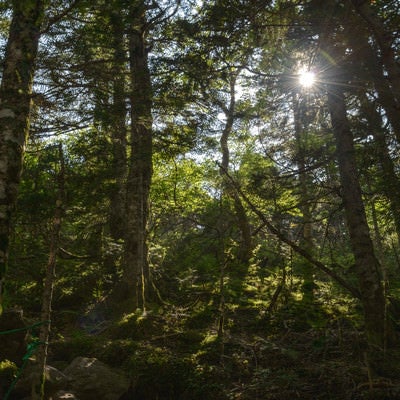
390, 180
246, 243
384, 40
118, 127
306, 241
333, 45
367, 59
136, 272
366, 263
47, 298
15, 104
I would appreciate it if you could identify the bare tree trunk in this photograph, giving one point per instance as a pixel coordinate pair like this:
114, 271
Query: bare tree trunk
15, 104
136, 273
47, 298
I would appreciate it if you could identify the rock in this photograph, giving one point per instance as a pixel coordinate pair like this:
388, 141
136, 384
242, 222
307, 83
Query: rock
62, 395
91, 379
55, 379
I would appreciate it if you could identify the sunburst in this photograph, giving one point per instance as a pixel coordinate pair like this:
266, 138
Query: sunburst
306, 78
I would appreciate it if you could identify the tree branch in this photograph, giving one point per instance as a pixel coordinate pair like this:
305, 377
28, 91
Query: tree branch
59, 16
281, 236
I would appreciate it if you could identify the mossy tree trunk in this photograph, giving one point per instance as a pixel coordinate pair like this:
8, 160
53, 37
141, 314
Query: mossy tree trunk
15, 104
136, 268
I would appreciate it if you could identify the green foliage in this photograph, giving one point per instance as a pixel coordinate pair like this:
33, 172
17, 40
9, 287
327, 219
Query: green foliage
215, 327
136, 326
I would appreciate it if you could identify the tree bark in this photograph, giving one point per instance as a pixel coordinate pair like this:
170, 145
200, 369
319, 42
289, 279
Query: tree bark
366, 263
390, 180
136, 269
306, 240
379, 330
47, 297
118, 127
246, 244
15, 105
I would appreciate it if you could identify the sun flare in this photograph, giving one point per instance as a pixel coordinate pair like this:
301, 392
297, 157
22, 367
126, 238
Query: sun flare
306, 78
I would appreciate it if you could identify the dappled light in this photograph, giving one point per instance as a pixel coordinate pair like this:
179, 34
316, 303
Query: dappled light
199, 200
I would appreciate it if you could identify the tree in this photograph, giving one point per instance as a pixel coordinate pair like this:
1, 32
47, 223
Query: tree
118, 114
306, 240
385, 40
136, 270
376, 101
389, 183
15, 105
367, 265
38, 389
378, 328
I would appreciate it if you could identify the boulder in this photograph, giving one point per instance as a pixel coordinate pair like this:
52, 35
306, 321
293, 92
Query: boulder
62, 395
91, 379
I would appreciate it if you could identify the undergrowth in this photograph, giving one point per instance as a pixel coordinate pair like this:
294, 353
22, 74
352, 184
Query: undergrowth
180, 355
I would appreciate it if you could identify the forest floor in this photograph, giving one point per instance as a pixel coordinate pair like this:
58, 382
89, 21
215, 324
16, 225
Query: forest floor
178, 354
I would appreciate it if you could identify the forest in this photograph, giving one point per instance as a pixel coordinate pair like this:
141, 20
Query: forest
199, 199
